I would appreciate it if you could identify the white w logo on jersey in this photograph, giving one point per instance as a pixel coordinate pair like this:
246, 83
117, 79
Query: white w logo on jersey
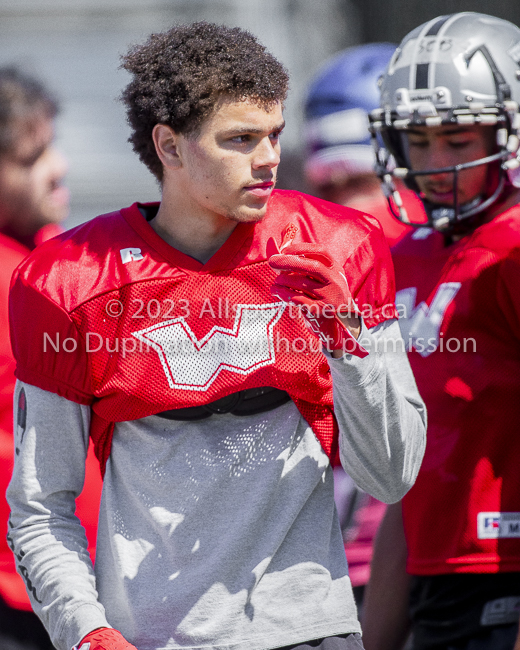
193, 364
421, 325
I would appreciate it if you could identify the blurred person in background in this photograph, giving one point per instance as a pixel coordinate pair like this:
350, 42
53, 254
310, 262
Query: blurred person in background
33, 202
447, 557
340, 158
340, 167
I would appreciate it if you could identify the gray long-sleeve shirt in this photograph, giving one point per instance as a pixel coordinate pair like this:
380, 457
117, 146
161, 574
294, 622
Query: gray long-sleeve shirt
220, 533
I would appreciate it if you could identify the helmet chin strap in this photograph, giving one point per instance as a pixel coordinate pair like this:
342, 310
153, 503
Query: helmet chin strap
445, 218
441, 217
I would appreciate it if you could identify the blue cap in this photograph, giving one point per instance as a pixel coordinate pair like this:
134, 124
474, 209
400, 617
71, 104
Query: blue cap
338, 101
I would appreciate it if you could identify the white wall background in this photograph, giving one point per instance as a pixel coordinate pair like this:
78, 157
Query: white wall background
74, 45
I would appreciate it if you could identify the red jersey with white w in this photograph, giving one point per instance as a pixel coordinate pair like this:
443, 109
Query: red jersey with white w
112, 316
460, 311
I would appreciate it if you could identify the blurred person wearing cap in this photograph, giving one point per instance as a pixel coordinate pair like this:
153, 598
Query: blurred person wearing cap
446, 559
340, 158
340, 167
33, 202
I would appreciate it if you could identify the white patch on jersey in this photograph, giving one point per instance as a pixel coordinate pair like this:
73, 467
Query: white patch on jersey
420, 326
166, 518
133, 551
494, 525
190, 363
130, 255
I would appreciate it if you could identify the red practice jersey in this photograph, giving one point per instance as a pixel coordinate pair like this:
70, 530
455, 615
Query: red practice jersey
123, 322
12, 587
394, 229
460, 310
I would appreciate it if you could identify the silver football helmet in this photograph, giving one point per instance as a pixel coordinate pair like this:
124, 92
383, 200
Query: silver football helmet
458, 69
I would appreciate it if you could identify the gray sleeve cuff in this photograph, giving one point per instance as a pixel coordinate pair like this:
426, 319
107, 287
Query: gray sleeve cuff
359, 370
79, 623
380, 414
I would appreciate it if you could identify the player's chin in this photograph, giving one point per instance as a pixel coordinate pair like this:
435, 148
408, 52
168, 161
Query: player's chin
249, 214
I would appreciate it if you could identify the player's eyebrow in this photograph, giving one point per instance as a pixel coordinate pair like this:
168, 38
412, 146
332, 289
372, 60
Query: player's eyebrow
253, 130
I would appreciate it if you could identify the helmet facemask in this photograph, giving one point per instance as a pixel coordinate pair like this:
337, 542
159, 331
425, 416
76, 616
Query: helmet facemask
405, 108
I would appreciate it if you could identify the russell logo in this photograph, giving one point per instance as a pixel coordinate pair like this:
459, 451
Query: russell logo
130, 255
190, 363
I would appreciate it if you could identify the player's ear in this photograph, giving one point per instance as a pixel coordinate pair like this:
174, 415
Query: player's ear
166, 145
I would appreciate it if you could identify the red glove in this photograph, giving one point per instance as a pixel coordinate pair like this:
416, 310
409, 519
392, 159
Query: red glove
105, 638
308, 277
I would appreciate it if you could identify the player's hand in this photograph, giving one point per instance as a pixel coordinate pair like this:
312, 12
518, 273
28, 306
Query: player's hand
309, 278
104, 638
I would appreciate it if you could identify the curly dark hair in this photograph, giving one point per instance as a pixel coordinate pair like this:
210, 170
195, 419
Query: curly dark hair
21, 97
179, 75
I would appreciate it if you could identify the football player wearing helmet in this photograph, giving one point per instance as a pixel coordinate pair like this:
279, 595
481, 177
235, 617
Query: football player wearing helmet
447, 557
218, 347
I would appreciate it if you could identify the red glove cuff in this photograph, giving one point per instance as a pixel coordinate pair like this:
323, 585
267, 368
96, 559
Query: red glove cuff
104, 638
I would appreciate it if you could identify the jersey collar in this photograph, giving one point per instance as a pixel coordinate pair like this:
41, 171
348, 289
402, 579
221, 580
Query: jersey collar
221, 260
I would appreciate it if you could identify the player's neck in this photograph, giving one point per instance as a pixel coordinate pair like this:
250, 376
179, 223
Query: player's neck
22, 236
507, 201
190, 229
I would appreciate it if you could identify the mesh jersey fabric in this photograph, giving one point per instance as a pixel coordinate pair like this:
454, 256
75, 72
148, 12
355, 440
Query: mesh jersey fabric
463, 323
124, 322
12, 587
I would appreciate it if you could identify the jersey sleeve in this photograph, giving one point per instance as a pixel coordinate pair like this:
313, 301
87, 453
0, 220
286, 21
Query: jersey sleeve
50, 353
381, 416
370, 274
47, 539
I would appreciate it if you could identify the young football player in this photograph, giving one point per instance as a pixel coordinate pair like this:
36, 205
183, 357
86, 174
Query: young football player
33, 202
449, 116
217, 347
